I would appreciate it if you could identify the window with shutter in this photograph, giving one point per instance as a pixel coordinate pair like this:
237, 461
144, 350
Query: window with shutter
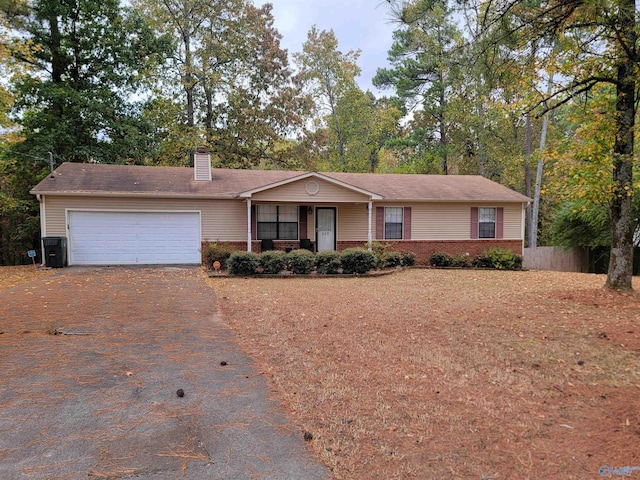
486, 222
393, 220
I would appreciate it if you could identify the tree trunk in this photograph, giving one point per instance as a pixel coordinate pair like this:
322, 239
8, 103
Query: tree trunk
58, 63
620, 272
339, 133
443, 145
188, 79
208, 120
482, 152
539, 170
374, 158
533, 243
527, 177
443, 126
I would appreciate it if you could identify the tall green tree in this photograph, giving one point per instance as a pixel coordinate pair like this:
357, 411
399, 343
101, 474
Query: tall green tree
426, 56
349, 127
228, 83
76, 66
368, 124
84, 61
580, 174
328, 74
596, 44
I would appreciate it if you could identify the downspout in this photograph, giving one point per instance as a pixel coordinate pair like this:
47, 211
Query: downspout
369, 236
43, 225
248, 225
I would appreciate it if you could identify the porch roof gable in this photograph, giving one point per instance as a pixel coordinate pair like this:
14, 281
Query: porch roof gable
308, 175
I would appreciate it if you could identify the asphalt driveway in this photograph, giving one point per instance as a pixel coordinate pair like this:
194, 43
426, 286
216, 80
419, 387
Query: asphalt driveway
98, 399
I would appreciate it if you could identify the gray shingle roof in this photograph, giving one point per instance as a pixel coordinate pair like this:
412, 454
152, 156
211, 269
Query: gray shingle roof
117, 180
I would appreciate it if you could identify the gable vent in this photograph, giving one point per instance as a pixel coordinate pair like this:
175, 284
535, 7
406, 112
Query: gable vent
202, 164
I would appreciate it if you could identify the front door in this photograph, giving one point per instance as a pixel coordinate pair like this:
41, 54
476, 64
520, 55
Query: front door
325, 228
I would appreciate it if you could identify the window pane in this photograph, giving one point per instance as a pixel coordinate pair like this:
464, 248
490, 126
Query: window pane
288, 213
267, 231
288, 231
393, 231
393, 215
267, 213
486, 214
487, 230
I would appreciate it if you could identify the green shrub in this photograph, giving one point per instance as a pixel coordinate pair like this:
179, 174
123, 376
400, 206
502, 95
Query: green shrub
439, 259
498, 258
391, 260
461, 260
300, 261
407, 259
273, 261
217, 253
504, 259
243, 263
357, 260
378, 262
379, 248
482, 261
328, 262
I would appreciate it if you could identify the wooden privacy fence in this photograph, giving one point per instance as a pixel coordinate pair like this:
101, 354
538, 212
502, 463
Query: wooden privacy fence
557, 259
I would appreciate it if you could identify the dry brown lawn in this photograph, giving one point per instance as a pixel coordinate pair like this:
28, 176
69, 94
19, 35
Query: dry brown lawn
13, 276
449, 373
434, 374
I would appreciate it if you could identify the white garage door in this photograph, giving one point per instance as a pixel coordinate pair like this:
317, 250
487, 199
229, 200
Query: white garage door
125, 238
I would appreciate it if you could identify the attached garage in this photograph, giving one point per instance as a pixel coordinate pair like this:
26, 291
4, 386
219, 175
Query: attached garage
133, 238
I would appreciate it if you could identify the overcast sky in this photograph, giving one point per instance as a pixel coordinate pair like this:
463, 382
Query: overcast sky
358, 24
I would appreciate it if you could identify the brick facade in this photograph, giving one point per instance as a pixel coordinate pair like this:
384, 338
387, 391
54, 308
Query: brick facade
423, 249
256, 246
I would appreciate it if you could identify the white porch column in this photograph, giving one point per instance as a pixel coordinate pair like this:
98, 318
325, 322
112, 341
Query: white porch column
369, 236
248, 224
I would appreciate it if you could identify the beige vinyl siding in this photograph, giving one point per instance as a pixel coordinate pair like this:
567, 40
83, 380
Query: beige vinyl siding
512, 222
353, 222
223, 220
296, 192
451, 221
226, 220
440, 221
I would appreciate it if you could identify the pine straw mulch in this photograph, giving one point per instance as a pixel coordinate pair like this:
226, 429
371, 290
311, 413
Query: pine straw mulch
17, 275
450, 373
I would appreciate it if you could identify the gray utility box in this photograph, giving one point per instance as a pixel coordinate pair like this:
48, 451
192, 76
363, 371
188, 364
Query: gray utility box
55, 251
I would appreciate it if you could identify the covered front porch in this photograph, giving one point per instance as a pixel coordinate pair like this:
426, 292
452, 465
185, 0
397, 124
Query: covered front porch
290, 226
310, 211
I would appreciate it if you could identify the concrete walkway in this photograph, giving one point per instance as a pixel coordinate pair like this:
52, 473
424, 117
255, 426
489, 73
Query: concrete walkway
99, 401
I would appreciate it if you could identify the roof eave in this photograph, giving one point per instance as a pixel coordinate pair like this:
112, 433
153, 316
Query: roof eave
85, 193
457, 200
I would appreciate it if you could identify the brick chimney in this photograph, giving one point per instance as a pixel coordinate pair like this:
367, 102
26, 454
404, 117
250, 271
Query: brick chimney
202, 164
